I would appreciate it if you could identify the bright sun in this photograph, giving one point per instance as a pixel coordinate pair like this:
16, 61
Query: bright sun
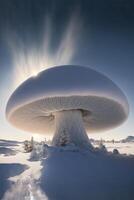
34, 73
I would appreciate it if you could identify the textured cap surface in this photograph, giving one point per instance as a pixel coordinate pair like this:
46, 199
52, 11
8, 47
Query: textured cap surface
68, 87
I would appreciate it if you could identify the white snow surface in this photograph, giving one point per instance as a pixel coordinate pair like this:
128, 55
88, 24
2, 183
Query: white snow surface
68, 87
66, 80
69, 173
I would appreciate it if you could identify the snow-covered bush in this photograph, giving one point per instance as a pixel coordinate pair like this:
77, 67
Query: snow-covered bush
102, 147
39, 151
28, 145
115, 151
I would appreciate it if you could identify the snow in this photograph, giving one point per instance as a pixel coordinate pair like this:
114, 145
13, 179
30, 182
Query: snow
16, 168
70, 129
87, 175
123, 148
7, 151
9, 143
68, 173
66, 80
33, 104
6, 171
25, 189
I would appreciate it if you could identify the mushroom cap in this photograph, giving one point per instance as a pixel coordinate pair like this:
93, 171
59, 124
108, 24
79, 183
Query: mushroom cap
32, 105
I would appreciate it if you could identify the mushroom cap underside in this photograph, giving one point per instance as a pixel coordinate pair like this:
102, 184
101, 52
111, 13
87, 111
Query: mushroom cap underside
98, 113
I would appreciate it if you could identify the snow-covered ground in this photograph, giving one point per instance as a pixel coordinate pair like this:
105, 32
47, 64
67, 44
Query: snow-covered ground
16, 168
66, 173
123, 148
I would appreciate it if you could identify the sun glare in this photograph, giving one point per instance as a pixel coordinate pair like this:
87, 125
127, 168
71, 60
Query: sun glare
35, 73
29, 61
37, 137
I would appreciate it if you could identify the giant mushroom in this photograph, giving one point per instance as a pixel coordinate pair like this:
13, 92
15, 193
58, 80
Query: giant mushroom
70, 100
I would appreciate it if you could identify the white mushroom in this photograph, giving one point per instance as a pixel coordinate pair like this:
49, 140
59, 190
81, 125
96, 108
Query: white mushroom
68, 99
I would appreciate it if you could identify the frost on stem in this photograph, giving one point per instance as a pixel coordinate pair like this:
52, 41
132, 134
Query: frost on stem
69, 129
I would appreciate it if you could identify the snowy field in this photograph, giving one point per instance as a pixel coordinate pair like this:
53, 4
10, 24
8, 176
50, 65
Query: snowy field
123, 148
21, 178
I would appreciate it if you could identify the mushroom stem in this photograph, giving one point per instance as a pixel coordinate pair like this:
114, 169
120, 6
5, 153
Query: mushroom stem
70, 129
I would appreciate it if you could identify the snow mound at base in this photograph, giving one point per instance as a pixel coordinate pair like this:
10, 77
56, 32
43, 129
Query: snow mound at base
71, 174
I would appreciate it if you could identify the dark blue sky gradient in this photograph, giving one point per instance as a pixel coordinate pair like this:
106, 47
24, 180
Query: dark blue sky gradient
106, 42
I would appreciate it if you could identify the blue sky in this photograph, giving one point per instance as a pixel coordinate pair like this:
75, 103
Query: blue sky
97, 34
